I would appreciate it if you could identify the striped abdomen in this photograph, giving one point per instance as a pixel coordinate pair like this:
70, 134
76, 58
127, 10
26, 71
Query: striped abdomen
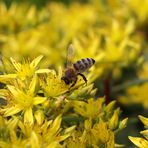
83, 64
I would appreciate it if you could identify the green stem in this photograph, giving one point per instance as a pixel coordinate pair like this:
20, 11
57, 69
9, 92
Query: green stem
128, 84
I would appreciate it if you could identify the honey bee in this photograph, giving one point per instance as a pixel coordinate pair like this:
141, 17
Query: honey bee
73, 70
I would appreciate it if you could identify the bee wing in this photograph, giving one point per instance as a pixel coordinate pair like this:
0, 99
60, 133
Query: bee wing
70, 54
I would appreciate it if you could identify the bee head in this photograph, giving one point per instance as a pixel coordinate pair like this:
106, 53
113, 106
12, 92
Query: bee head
65, 80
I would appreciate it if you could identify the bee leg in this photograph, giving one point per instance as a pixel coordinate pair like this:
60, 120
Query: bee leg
74, 82
84, 78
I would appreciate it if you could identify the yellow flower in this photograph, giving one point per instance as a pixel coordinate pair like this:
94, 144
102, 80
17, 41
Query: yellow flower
8, 135
12, 18
141, 142
52, 85
139, 9
23, 71
48, 134
97, 134
28, 69
90, 109
93, 135
137, 95
23, 101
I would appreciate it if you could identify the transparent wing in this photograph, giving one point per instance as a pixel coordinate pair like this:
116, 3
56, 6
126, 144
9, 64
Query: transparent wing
70, 54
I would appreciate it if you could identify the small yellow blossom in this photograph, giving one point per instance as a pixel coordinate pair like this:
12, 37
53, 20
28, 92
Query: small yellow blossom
86, 109
137, 95
23, 101
23, 71
52, 85
28, 69
139, 10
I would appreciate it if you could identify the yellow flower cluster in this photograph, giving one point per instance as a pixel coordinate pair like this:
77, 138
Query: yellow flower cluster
40, 110
37, 108
38, 37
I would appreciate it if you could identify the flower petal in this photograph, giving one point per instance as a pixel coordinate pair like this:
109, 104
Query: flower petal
14, 91
36, 61
6, 78
145, 133
12, 110
33, 85
39, 71
140, 142
16, 65
34, 141
56, 125
144, 120
39, 116
39, 100
28, 117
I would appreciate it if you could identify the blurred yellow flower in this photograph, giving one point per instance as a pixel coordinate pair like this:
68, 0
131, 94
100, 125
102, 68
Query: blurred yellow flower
139, 9
137, 94
12, 18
